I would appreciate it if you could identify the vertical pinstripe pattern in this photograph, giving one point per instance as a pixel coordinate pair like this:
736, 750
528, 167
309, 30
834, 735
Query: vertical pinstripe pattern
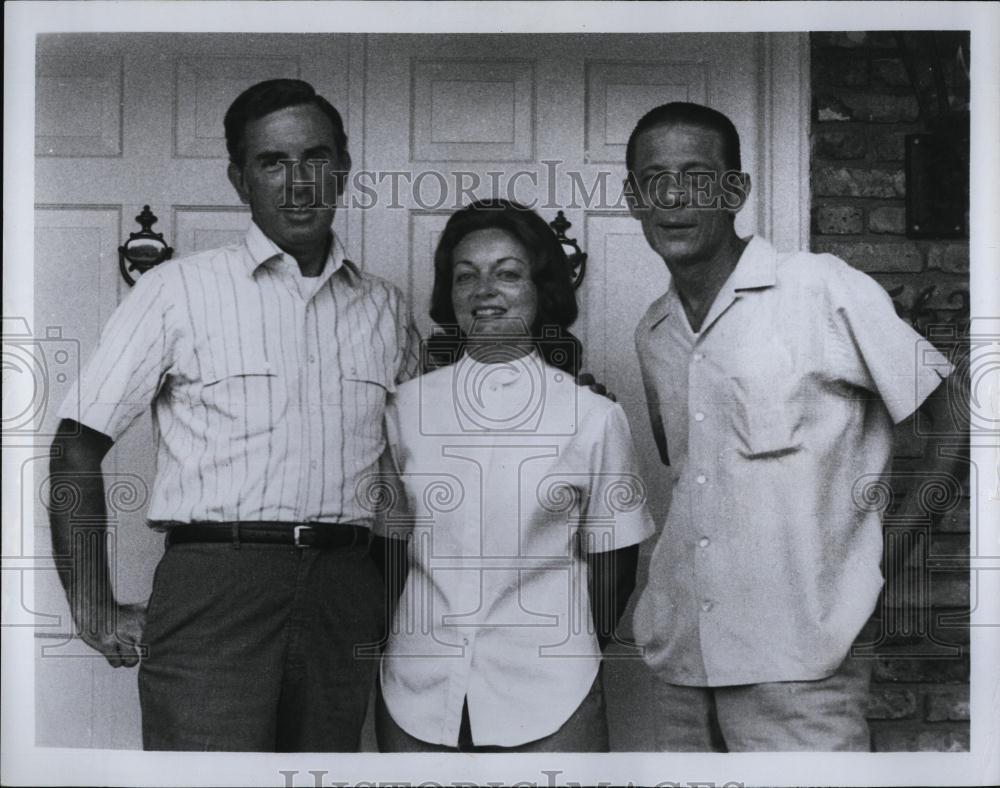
267, 389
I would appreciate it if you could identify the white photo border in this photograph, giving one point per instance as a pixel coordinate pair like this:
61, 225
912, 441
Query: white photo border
25, 764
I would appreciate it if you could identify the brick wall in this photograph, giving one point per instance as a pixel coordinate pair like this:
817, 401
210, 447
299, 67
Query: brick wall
863, 106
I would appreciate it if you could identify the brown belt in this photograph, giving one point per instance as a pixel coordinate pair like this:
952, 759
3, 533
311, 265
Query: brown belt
320, 535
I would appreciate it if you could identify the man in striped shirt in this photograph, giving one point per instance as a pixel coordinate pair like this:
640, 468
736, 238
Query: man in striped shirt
266, 365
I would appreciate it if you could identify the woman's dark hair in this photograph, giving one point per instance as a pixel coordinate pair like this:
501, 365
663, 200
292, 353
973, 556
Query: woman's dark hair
269, 96
550, 273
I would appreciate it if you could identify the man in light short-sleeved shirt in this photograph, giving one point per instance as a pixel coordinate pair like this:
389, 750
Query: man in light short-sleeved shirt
266, 365
773, 383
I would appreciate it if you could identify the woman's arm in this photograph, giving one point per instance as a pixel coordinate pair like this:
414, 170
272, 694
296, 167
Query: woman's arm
615, 516
611, 578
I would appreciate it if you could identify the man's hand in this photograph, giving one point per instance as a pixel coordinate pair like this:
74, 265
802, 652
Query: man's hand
588, 380
118, 639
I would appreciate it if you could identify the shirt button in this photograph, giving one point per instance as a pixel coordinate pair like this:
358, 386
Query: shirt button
704, 541
707, 605
699, 416
314, 465
312, 359
701, 479
699, 356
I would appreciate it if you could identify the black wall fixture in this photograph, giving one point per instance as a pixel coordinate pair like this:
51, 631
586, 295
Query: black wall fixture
143, 249
576, 256
937, 160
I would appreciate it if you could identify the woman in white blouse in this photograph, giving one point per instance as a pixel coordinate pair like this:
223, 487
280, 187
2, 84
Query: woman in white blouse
524, 508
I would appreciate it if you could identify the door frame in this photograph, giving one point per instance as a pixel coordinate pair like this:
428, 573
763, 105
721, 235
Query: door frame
783, 213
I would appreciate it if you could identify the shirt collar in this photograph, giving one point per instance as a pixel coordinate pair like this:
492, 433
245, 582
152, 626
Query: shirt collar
754, 270
262, 250
503, 373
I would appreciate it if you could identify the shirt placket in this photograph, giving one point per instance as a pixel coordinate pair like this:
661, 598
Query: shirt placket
459, 685
304, 314
477, 542
474, 585
703, 492
279, 270
314, 426
461, 668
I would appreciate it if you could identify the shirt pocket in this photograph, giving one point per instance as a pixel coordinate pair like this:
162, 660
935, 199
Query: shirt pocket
767, 427
364, 396
766, 413
245, 391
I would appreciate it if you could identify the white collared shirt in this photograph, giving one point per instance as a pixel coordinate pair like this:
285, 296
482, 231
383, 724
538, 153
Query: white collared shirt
777, 418
513, 473
267, 389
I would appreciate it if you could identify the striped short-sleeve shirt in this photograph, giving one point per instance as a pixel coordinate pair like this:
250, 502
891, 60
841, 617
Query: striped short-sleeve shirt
267, 389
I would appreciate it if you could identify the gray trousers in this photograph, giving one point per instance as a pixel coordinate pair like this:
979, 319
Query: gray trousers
825, 715
255, 648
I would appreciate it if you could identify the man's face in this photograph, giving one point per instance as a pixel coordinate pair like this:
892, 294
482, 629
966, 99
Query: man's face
297, 218
686, 200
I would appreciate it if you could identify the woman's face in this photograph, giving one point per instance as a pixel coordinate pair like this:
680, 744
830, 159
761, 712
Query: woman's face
492, 291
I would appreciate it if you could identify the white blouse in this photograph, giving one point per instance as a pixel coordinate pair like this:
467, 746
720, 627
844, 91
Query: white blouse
512, 473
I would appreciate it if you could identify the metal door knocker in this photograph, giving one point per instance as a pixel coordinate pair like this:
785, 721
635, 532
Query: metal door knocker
576, 256
143, 250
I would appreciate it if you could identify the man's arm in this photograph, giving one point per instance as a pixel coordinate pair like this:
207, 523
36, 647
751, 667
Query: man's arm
655, 416
393, 563
389, 549
946, 450
79, 544
588, 380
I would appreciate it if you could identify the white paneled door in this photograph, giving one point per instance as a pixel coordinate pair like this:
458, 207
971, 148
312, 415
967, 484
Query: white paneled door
433, 121
544, 119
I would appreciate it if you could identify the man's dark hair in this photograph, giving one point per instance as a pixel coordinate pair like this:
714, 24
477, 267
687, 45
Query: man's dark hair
550, 273
266, 97
683, 112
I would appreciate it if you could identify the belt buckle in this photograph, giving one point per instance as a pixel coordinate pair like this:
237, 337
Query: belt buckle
297, 533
